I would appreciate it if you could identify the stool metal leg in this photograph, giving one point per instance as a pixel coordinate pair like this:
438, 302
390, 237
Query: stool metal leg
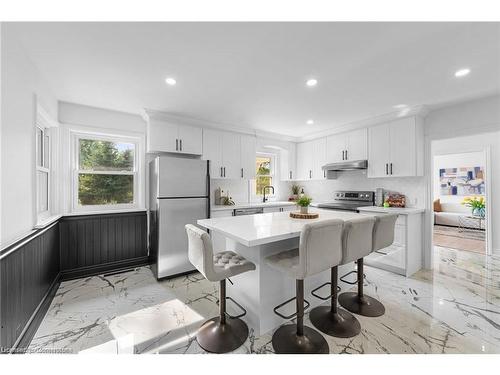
222, 334
332, 320
358, 302
299, 339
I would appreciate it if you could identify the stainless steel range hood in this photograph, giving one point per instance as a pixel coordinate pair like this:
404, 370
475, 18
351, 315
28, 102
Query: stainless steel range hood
344, 166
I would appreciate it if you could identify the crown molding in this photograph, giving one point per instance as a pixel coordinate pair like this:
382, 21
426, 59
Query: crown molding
44, 118
151, 114
420, 111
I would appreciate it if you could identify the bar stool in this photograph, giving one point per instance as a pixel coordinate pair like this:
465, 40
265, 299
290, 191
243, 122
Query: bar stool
382, 236
332, 320
223, 333
319, 247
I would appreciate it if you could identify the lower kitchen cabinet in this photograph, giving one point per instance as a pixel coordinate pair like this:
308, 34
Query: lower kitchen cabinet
404, 256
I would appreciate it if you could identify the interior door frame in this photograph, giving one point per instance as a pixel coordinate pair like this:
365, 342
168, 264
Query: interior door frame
428, 258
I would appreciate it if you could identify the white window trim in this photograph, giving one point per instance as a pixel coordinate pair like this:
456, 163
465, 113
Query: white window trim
272, 174
45, 168
75, 171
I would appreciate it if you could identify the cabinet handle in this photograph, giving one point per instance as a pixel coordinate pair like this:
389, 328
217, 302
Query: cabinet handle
386, 168
241, 172
224, 171
176, 145
343, 155
180, 143
346, 158
221, 172
310, 174
324, 174
290, 175
391, 168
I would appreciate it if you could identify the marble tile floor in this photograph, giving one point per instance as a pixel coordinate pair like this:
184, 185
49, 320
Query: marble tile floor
454, 308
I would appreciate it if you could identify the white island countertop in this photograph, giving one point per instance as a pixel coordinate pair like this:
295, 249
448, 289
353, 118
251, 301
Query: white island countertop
237, 206
392, 210
254, 230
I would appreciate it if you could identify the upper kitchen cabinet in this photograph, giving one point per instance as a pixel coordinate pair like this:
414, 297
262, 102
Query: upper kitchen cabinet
165, 135
248, 151
231, 155
395, 149
347, 146
288, 158
311, 156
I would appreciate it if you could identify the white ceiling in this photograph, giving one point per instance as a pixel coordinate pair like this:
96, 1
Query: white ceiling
253, 74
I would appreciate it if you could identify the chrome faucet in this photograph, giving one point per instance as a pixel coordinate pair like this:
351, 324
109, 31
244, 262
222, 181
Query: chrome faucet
264, 199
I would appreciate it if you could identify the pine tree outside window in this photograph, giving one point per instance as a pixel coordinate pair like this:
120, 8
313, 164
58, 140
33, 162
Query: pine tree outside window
106, 173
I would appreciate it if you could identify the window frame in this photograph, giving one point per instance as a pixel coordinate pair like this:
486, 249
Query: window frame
76, 171
272, 172
44, 167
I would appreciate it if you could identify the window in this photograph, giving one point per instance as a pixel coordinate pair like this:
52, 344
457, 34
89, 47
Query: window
43, 152
106, 173
264, 165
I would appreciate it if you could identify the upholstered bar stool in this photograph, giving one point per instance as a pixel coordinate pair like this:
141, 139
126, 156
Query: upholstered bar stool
332, 320
319, 247
223, 333
357, 248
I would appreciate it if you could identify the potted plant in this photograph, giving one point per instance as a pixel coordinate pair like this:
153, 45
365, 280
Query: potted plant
477, 204
295, 192
304, 203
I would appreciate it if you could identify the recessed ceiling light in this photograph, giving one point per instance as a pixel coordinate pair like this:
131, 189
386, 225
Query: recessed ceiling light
311, 82
462, 72
170, 81
400, 106
310, 122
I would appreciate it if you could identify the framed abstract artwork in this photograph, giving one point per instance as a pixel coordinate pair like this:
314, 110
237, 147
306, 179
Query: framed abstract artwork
462, 181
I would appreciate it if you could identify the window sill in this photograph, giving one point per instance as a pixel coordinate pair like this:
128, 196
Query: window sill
47, 221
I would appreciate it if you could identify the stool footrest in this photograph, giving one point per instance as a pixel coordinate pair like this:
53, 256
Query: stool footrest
350, 282
313, 292
307, 304
239, 306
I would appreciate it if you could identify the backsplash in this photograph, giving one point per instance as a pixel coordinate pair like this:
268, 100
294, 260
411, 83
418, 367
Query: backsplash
322, 190
242, 191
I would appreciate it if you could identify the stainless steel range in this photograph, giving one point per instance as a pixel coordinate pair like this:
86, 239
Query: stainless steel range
349, 200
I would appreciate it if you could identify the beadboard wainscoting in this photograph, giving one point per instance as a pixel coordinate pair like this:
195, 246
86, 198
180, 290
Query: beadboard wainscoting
92, 244
29, 279
74, 246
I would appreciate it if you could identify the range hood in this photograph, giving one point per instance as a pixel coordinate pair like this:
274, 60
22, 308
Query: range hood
344, 166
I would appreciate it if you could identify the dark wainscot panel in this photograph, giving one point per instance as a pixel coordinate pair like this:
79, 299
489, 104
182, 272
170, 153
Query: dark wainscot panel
92, 244
29, 279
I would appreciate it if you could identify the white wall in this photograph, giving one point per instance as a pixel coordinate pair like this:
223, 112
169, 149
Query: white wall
21, 88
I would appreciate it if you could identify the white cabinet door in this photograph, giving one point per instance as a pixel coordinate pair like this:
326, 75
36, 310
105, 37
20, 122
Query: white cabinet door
190, 140
248, 153
304, 160
378, 151
357, 147
231, 158
162, 136
403, 148
336, 146
288, 163
212, 150
319, 158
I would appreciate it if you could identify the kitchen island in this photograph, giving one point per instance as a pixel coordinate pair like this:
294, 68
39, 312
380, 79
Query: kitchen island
256, 237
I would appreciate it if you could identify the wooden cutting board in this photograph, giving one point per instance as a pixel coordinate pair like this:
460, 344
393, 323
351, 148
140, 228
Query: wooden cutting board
298, 215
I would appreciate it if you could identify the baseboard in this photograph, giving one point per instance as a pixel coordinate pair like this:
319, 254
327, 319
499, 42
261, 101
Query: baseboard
103, 268
31, 327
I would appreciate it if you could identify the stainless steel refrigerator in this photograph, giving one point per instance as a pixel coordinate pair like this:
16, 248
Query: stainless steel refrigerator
179, 194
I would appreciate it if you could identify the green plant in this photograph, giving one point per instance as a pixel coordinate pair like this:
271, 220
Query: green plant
304, 201
295, 189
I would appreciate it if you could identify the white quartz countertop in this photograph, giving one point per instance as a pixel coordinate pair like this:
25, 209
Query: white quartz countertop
392, 210
254, 230
251, 205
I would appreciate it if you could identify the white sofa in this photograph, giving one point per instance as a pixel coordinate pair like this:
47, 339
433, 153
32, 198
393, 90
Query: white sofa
450, 212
